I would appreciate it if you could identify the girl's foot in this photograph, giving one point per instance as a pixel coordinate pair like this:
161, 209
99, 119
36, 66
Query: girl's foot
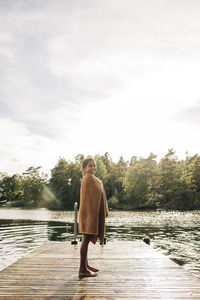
87, 273
92, 269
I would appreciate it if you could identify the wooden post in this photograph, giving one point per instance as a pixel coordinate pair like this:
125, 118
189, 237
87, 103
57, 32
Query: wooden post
74, 242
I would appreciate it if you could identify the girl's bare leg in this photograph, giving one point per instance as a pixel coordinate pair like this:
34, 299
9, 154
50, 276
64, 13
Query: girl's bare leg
89, 267
87, 264
84, 271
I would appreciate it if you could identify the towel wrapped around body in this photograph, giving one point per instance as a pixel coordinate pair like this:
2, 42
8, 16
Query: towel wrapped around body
93, 208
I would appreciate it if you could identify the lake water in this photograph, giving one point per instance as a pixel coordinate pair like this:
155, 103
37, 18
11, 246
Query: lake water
175, 233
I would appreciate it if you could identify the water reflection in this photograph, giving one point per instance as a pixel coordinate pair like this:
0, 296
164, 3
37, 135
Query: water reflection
59, 231
175, 233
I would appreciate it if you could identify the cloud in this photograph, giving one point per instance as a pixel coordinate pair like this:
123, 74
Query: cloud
42, 87
189, 114
65, 65
15, 160
20, 149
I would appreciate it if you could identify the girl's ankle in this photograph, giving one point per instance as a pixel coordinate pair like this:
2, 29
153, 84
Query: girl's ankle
83, 270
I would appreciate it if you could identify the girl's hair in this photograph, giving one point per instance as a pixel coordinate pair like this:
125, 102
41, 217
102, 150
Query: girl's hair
86, 161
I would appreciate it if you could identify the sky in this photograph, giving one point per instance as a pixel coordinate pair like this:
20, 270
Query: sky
96, 76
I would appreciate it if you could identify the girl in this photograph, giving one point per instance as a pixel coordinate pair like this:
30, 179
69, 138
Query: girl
92, 213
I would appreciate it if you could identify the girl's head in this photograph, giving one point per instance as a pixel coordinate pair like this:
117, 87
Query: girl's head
89, 166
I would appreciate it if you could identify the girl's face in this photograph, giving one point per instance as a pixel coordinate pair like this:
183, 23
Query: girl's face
91, 168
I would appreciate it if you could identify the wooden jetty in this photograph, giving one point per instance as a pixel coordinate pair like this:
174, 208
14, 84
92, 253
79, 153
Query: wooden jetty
128, 270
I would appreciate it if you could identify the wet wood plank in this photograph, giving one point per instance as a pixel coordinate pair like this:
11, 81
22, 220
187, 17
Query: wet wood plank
128, 270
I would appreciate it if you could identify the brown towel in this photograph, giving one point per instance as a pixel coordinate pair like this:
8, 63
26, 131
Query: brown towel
93, 208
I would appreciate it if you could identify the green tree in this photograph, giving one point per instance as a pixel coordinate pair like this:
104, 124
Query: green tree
142, 183
101, 168
175, 183
33, 185
65, 183
136, 186
109, 179
139, 182
13, 188
166, 179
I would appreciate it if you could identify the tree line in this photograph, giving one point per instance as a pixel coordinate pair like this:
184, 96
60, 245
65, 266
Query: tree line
141, 183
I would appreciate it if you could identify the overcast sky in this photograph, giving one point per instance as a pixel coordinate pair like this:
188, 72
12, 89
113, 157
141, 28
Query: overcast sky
91, 76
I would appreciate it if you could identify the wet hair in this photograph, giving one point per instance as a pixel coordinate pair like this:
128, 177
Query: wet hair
86, 161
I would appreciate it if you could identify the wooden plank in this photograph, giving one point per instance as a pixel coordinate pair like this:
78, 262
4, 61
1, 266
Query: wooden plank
128, 270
